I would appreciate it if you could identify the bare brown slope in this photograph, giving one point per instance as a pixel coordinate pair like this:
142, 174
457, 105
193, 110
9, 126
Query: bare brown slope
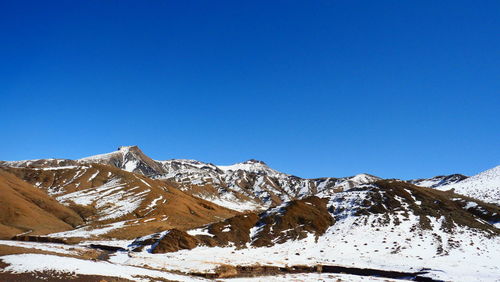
101, 194
24, 208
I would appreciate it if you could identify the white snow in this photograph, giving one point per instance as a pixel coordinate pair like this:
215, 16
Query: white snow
302, 277
199, 231
97, 158
88, 232
143, 181
249, 166
49, 247
114, 243
231, 202
112, 199
484, 186
57, 168
154, 202
131, 165
93, 176
38, 262
470, 205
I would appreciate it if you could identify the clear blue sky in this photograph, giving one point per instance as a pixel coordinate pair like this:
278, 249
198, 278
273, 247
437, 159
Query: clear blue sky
399, 89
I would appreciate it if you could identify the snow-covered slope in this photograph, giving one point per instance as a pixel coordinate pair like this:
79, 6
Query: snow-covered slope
484, 186
437, 181
128, 158
251, 184
389, 225
40, 163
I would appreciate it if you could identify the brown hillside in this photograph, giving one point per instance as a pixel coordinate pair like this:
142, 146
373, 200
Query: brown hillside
24, 208
294, 222
103, 195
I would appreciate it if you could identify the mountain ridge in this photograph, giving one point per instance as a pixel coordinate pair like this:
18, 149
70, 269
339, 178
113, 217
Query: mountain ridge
242, 186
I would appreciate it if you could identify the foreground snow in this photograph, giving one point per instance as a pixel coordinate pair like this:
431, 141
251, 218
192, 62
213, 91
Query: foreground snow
310, 277
466, 255
48, 247
36, 262
463, 255
456, 267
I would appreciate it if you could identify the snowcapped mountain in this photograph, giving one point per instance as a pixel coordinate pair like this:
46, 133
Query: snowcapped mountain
253, 185
144, 211
39, 163
437, 181
250, 185
484, 186
253, 166
128, 158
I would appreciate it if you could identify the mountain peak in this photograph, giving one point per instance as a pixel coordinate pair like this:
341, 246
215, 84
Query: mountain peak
254, 161
129, 148
129, 158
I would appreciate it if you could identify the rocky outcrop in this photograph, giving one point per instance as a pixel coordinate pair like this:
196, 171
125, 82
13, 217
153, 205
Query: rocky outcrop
175, 240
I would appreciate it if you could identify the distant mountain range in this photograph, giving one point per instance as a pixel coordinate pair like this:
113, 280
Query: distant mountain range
242, 186
196, 210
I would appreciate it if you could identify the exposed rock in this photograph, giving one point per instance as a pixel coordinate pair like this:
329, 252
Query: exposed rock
175, 240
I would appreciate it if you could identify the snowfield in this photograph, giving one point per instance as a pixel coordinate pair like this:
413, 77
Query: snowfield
310, 277
484, 186
37, 262
48, 247
365, 241
345, 246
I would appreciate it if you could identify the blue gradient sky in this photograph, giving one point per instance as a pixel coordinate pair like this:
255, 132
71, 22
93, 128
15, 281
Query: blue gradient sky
399, 89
